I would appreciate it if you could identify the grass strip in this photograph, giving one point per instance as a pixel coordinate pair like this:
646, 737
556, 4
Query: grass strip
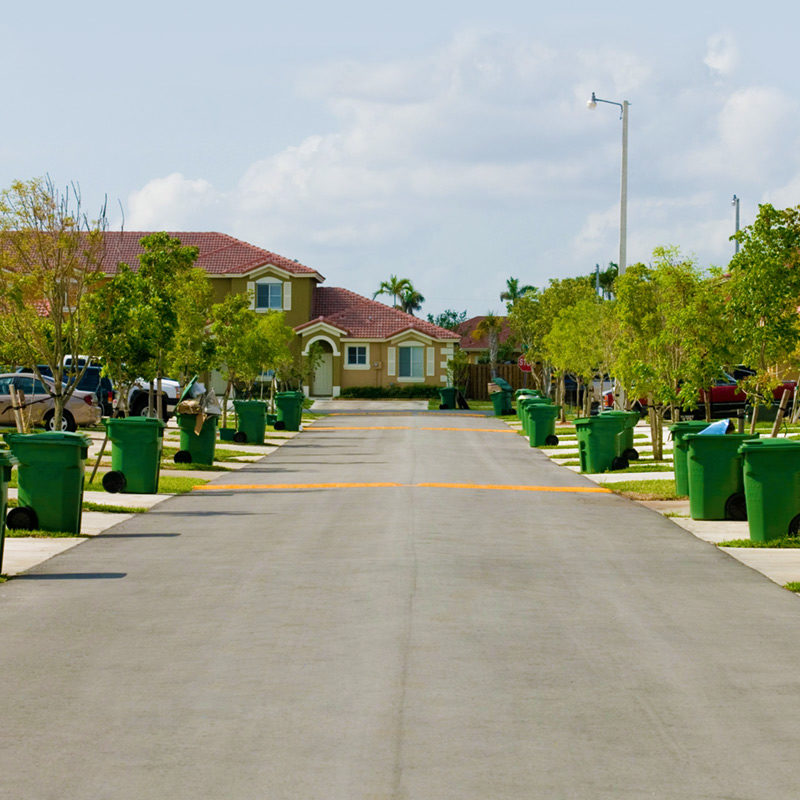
194, 467
167, 484
785, 542
792, 586
87, 505
654, 489
23, 534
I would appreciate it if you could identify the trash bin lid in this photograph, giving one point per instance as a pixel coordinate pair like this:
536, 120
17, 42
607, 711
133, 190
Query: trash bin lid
186, 394
763, 444
131, 422
63, 438
503, 384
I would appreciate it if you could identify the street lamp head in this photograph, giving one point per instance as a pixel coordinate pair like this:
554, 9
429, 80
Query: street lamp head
592, 103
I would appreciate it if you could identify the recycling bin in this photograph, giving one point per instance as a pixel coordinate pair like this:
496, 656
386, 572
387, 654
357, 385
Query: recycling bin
542, 425
252, 416
290, 410
447, 397
679, 449
136, 444
7, 461
771, 470
716, 484
50, 478
627, 422
598, 447
196, 447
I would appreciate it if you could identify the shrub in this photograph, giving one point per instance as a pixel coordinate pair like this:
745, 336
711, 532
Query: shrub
421, 391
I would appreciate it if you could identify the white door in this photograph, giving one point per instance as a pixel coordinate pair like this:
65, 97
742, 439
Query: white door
323, 377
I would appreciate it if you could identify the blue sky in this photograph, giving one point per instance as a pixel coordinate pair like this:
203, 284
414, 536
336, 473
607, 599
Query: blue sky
445, 142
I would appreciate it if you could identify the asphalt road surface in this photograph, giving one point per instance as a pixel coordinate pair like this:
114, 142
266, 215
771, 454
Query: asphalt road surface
420, 607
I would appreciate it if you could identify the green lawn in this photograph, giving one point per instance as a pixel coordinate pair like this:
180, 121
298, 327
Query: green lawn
655, 489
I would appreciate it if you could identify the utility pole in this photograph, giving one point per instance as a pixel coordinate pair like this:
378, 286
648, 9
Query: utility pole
735, 204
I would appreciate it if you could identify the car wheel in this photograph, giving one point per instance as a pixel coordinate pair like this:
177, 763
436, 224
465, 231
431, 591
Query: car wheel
67, 421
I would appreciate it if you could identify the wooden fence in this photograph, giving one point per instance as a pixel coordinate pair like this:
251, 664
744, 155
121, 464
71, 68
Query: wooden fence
479, 376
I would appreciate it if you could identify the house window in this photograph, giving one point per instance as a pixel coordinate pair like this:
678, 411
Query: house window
356, 355
411, 362
269, 295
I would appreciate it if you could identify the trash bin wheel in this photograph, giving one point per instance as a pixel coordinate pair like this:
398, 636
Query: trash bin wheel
551, 440
182, 457
114, 482
794, 527
631, 454
619, 462
442, 406
280, 425
735, 507
22, 518
240, 436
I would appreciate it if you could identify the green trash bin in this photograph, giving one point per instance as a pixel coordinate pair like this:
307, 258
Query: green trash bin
7, 461
136, 444
196, 448
447, 397
771, 470
627, 422
289, 406
598, 444
542, 425
50, 478
252, 416
524, 405
680, 447
716, 484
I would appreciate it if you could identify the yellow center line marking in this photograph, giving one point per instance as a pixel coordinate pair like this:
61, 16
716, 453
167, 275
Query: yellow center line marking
400, 428
496, 487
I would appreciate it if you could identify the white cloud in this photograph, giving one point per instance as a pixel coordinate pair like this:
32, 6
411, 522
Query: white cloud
173, 203
722, 54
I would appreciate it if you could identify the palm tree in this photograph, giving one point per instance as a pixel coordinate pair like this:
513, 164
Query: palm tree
514, 291
411, 300
491, 327
394, 286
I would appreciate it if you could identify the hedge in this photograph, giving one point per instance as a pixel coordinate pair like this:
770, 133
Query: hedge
421, 391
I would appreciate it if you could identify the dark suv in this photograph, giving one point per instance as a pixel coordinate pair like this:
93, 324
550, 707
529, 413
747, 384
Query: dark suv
92, 381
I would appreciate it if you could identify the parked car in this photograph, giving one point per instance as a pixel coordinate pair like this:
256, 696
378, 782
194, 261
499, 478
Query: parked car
91, 381
138, 397
39, 407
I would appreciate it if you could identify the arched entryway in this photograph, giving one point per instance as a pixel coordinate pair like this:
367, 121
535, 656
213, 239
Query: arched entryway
322, 382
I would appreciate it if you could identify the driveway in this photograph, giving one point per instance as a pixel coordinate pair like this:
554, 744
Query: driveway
414, 607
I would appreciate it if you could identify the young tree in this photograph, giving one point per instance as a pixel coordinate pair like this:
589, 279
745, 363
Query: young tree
395, 287
192, 349
50, 260
764, 292
121, 330
491, 327
164, 267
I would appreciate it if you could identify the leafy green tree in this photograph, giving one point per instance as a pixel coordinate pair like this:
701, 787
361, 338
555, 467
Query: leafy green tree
165, 267
192, 347
448, 318
514, 292
246, 343
395, 287
764, 292
122, 330
50, 260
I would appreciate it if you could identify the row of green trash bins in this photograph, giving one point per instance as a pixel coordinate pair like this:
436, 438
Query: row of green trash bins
739, 476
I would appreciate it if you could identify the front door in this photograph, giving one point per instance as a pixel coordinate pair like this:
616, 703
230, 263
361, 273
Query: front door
323, 377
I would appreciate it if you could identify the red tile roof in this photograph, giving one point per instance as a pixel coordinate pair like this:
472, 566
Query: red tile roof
466, 328
363, 318
220, 254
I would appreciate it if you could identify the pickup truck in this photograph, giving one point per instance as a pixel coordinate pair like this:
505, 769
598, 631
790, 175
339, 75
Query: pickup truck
727, 398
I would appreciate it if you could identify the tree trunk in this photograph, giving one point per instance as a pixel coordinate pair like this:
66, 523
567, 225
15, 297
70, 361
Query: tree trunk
225, 397
159, 396
560, 397
754, 418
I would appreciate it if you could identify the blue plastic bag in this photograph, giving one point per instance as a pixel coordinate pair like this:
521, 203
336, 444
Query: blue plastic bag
718, 428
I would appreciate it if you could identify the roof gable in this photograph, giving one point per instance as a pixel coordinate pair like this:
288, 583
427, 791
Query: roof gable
367, 319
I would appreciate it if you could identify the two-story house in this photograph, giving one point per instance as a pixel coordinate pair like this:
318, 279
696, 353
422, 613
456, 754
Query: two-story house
364, 342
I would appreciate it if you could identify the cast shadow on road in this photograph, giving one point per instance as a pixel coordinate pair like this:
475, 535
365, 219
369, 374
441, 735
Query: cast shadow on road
206, 513
71, 576
135, 535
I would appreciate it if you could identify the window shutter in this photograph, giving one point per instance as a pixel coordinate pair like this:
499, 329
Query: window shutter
251, 290
287, 296
391, 367
431, 353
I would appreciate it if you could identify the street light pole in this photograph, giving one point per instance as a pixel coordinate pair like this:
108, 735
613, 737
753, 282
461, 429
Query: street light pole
623, 192
735, 204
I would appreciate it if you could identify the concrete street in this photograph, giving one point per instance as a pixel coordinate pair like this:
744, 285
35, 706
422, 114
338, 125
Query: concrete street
421, 608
